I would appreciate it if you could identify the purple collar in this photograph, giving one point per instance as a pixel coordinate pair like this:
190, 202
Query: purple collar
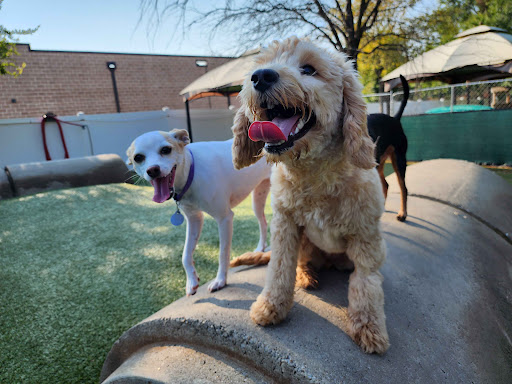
178, 197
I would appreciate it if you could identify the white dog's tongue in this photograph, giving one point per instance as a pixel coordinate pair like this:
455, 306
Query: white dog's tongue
273, 131
162, 190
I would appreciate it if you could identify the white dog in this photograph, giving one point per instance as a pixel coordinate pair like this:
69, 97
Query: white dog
201, 178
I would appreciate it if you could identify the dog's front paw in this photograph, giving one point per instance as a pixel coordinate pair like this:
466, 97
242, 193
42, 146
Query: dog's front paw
368, 335
217, 284
401, 216
192, 285
263, 312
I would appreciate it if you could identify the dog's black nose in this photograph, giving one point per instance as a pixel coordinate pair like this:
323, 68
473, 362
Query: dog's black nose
153, 171
263, 79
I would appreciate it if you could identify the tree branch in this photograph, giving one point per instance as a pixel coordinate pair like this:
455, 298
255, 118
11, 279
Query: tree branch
323, 15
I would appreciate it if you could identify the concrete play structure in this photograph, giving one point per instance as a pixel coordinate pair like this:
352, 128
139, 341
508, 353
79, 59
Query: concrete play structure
29, 178
448, 291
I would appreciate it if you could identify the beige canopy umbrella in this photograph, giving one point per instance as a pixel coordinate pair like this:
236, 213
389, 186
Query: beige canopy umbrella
221, 81
225, 80
476, 54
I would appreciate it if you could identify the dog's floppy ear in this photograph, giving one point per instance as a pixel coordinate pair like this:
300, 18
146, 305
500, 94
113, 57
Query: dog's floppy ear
245, 151
357, 143
181, 135
129, 153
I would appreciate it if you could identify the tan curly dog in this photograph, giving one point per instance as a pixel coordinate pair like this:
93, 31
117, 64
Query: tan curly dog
326, 194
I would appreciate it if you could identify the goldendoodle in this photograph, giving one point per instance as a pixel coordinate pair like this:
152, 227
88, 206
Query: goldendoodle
303, 109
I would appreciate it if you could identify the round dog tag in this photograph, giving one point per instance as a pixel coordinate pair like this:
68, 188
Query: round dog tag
177, 218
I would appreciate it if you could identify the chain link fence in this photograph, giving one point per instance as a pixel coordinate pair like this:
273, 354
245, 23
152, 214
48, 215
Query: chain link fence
476, 96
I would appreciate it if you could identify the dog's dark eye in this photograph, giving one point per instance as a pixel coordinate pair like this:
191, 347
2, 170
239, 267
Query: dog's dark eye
138, 158
165, 150
308, 70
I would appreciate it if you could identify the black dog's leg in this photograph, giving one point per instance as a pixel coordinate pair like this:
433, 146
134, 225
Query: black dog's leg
399, 165
385, 185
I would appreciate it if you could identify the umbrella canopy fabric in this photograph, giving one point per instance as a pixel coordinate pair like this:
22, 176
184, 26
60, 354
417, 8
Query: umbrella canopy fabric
224, 80
479, 53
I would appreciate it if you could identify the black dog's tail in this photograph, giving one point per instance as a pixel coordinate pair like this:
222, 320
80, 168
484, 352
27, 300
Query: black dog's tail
405, 85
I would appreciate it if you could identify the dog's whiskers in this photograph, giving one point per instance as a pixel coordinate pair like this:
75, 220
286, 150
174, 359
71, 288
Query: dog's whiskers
131, 178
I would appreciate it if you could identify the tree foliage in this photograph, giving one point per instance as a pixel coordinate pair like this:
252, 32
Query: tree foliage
372, 67
8, 49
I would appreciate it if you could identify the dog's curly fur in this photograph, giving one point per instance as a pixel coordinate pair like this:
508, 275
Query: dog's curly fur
326, 193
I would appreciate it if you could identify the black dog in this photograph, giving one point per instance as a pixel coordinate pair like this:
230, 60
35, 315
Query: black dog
390, 141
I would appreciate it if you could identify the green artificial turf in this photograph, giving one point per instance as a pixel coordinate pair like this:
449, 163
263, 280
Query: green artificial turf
506, 173
79, 267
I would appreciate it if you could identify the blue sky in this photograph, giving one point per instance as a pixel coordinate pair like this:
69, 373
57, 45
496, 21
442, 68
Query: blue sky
111, 26
101, 26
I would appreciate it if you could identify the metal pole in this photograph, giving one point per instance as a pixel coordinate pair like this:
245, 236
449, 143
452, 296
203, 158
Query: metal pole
452, 98
112, 67
390, 104
189, 124
381, 99
209, 98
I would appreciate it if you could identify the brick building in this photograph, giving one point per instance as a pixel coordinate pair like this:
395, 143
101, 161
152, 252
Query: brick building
67, 82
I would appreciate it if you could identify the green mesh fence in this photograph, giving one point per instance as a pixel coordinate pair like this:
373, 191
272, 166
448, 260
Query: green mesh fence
482, 137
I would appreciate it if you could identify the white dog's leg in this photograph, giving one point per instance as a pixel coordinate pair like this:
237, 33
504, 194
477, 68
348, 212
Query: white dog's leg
194, 226
259, 198
225, 236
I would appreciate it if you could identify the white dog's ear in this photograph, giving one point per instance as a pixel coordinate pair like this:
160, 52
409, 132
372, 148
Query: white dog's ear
129, 153
357, 143
245, 151
181, 135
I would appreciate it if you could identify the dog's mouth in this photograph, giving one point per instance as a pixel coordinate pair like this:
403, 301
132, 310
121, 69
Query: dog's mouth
283, 128
164, 187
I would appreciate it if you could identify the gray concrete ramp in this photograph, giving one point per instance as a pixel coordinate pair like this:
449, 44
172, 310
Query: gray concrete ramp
448, 287
463, 185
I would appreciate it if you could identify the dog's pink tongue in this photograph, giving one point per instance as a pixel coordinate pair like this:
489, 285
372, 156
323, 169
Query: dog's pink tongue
273, 131
162, 191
